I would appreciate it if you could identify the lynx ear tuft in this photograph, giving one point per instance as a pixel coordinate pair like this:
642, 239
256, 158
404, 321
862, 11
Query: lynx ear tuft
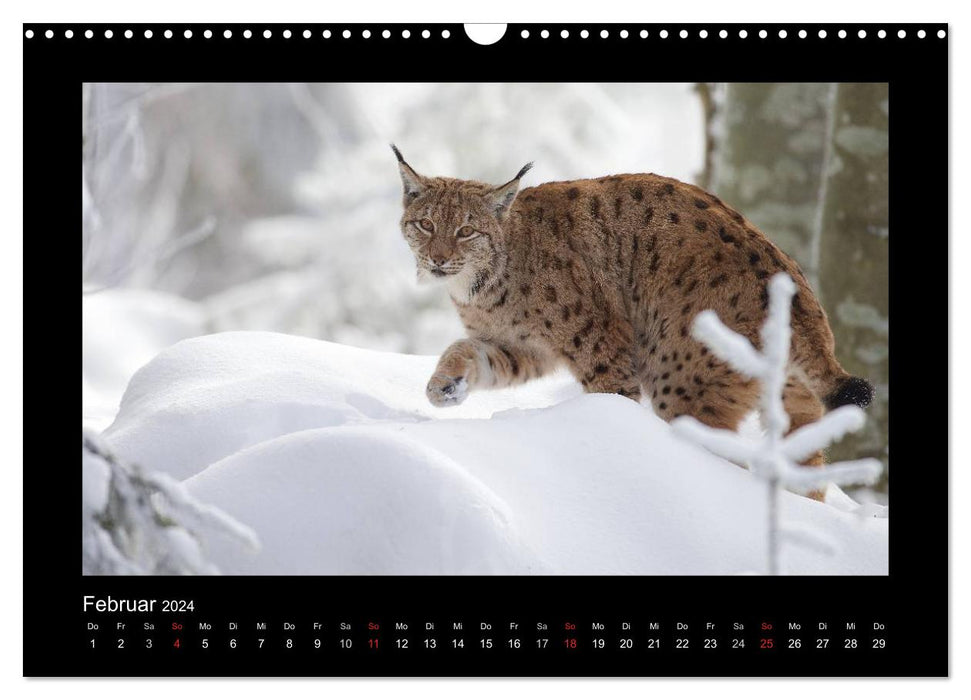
525, 169
502, 197
412, 182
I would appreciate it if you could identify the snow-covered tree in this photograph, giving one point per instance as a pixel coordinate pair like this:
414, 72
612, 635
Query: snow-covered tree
775, 457
140, 522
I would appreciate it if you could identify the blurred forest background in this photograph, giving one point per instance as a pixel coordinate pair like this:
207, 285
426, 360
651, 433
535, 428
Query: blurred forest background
221, 207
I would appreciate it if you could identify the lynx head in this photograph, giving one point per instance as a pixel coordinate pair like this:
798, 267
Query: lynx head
454, 227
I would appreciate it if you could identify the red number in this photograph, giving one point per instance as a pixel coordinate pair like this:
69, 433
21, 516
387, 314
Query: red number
176, 645
570, 643
766, 643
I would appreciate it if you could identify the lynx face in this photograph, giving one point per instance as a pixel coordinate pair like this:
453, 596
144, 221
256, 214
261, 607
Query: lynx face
451, 230
454, 227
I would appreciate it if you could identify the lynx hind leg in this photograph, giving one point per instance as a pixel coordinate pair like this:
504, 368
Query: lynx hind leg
690, 382
616, 375
804, 407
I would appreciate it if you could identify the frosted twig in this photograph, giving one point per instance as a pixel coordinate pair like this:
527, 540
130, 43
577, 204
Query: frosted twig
725, 443
146, 522
727, 344
861, 471
805, 441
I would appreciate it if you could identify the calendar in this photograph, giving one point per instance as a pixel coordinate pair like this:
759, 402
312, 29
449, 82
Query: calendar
488, 350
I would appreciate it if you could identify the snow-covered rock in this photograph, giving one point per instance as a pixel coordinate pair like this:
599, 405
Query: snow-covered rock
334, 457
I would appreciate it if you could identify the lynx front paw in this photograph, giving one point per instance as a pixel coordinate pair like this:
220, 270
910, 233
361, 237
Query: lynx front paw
447, 391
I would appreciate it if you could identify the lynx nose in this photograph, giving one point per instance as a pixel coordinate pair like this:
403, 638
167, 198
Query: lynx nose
439, 260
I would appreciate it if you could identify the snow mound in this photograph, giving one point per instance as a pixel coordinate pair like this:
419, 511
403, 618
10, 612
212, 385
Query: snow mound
334, 457
205, 398
362, 501
122, 329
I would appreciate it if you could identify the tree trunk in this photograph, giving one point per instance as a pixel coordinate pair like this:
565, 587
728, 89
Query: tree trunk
807, 163
770, 161
854, 252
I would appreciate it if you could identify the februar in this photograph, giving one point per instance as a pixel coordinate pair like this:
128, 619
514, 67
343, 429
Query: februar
110, 604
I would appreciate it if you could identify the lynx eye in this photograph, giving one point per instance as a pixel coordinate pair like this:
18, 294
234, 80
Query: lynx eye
427, 225
465, 232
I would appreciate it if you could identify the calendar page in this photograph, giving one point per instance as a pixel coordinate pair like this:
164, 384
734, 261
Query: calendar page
491, 350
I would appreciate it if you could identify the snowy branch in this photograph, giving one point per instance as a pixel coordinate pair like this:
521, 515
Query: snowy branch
137, 522
805, 441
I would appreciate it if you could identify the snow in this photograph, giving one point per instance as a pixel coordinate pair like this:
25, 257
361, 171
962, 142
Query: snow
333, 456
122, 329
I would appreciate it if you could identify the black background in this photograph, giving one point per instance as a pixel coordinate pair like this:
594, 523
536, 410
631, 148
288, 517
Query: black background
912, 601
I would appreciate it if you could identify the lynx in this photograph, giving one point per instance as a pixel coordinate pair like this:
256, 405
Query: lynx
605, 276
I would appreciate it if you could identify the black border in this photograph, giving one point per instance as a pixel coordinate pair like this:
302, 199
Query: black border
912, 601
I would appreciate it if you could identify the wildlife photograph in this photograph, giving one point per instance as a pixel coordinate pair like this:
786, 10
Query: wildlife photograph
445, 329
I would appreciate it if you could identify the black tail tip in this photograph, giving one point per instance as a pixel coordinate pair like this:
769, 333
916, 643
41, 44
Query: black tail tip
853, 390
